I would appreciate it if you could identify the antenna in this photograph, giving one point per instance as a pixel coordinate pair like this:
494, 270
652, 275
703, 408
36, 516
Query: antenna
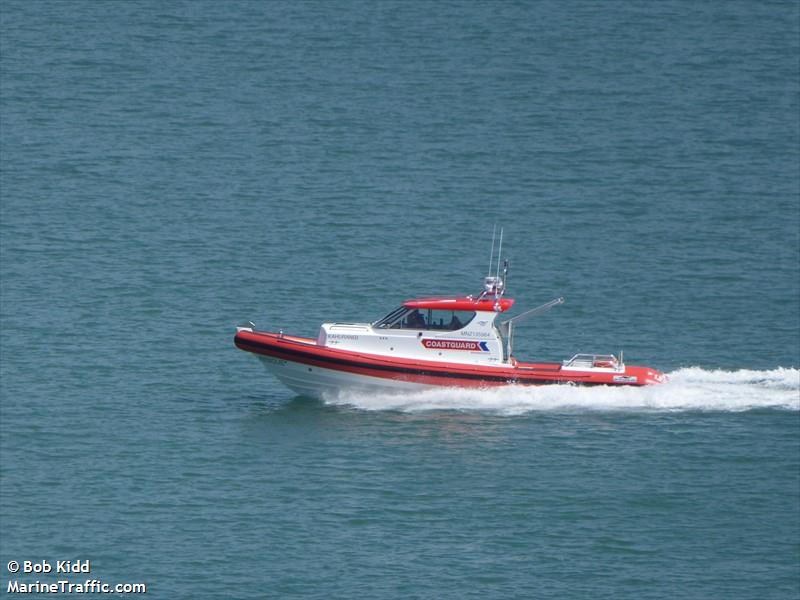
499, 252
492, 284
491, 254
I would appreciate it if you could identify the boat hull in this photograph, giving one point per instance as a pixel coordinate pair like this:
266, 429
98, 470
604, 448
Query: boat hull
319, 382
317, 371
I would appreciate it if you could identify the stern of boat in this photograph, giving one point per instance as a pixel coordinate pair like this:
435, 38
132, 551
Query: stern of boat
607, 368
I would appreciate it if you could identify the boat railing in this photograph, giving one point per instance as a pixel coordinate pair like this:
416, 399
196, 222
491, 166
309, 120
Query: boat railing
592, 361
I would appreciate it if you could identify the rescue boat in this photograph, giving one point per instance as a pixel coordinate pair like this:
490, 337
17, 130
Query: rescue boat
429, 342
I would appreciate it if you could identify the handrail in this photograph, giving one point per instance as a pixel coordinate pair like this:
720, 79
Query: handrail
593, 360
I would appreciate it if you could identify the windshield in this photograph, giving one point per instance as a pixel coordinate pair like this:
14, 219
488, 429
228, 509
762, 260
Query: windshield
422, 318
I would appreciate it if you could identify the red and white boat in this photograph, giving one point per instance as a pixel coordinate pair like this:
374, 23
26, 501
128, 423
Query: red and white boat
429, 342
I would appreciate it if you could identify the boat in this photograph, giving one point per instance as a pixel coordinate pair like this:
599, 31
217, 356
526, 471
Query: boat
429, 342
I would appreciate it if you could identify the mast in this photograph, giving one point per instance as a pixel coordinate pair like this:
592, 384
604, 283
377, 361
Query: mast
491, 252
499, 254
494, 284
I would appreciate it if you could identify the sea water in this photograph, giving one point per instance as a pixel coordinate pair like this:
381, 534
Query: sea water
171, 170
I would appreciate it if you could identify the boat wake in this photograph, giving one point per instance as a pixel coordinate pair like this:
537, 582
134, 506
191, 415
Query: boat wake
688, 389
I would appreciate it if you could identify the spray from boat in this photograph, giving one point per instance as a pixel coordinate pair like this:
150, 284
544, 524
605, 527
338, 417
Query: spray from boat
691, 389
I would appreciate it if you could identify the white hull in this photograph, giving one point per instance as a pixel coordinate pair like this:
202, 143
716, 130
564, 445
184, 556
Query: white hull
319, 383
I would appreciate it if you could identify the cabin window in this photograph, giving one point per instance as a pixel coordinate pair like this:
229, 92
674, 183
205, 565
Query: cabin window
393, 319
449, 320
426, 318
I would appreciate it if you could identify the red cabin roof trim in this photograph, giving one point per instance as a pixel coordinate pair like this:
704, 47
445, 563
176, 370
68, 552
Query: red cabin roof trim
460, 303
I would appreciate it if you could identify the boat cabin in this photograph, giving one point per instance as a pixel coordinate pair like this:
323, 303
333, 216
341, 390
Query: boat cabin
443, 328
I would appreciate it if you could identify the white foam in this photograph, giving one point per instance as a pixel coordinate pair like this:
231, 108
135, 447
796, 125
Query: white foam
688, 389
